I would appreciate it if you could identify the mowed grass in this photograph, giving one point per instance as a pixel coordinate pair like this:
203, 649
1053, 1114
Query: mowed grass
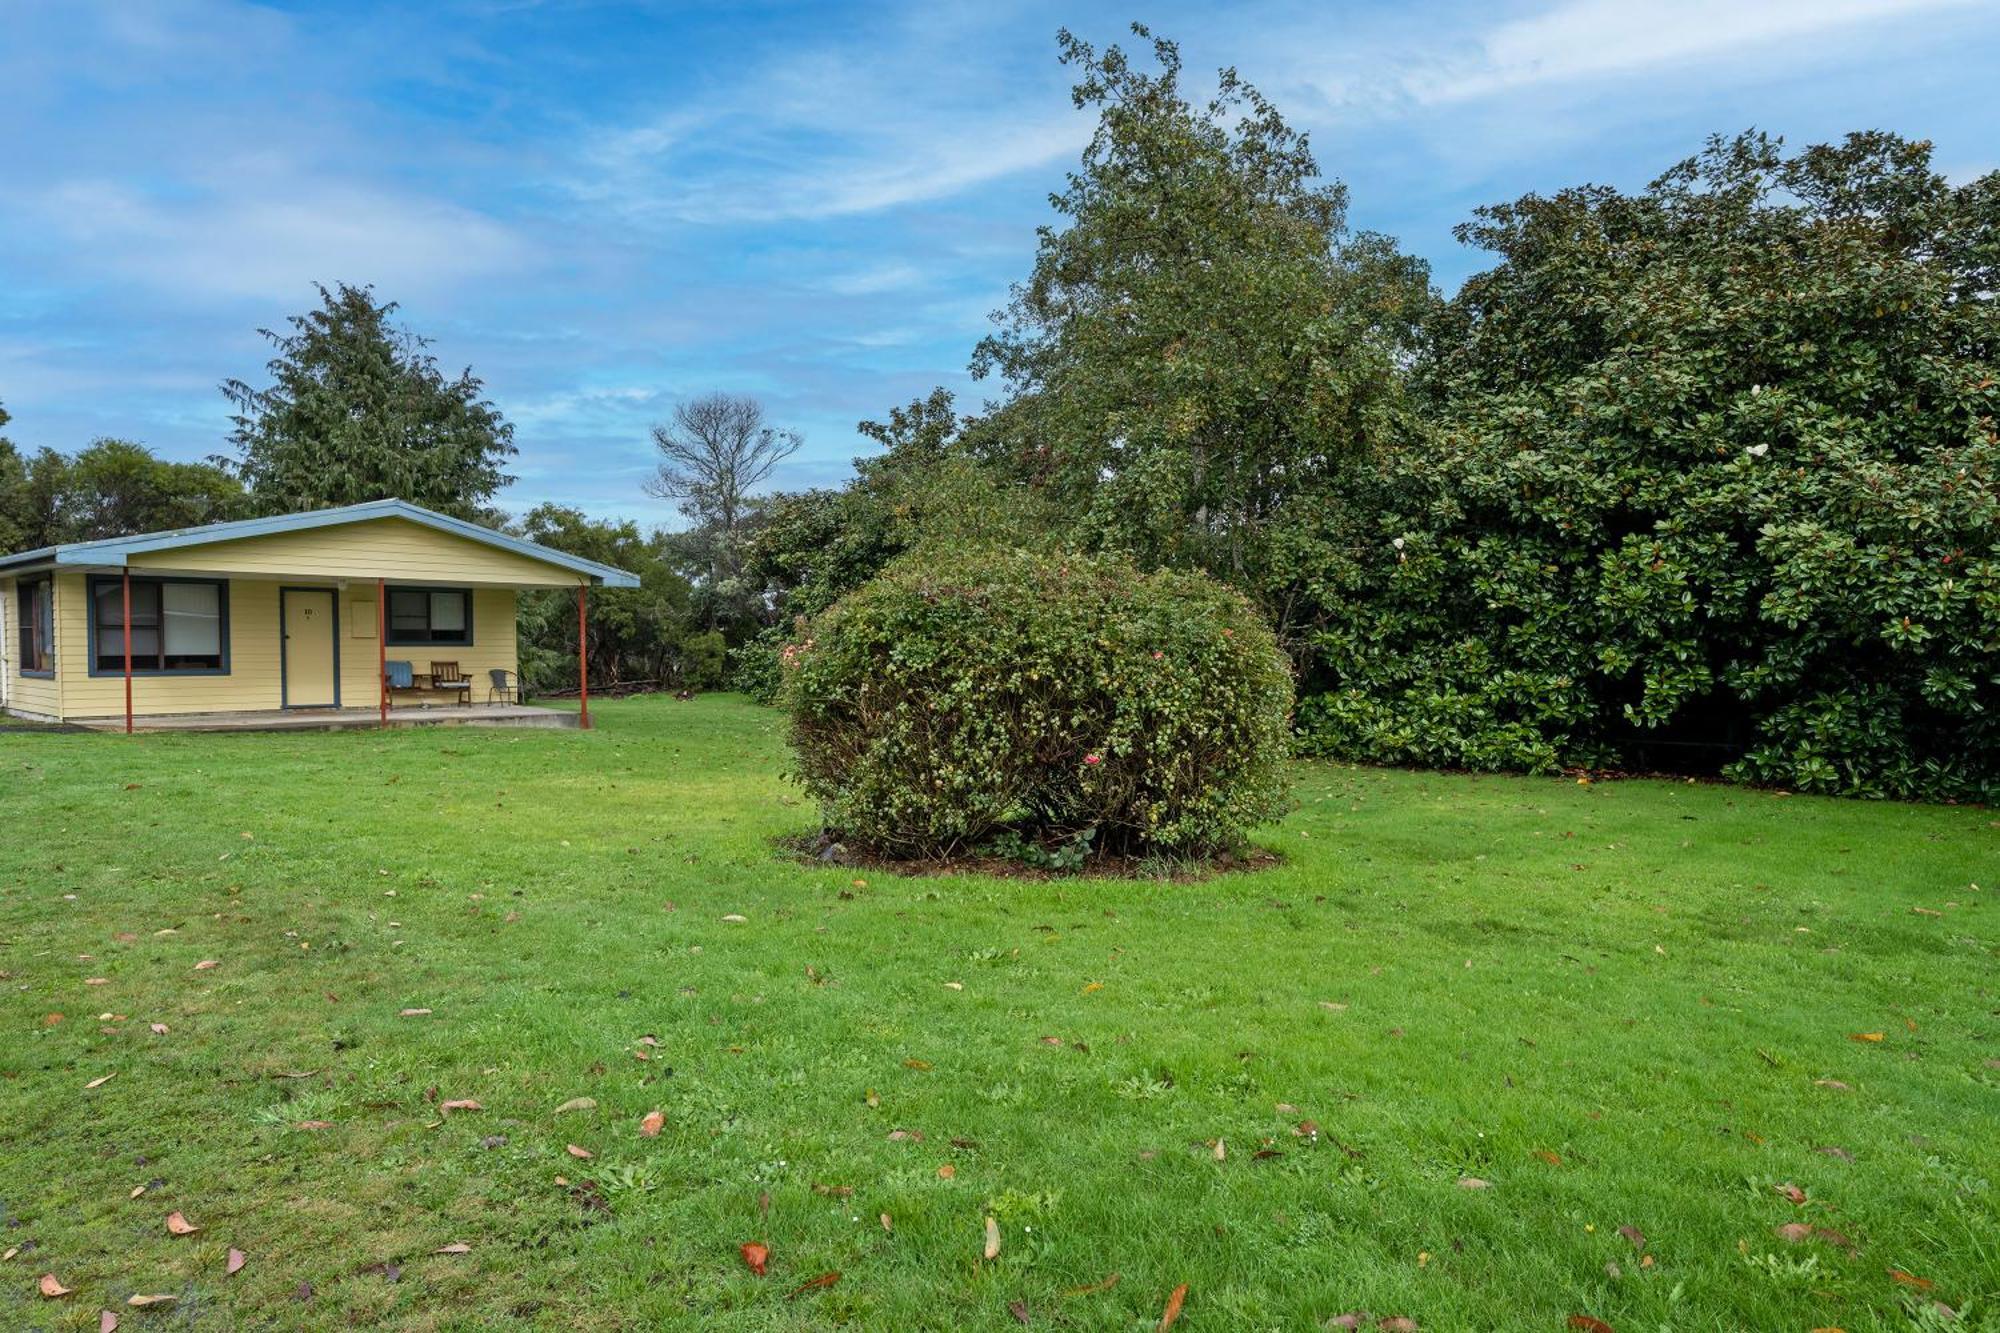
1625, 1005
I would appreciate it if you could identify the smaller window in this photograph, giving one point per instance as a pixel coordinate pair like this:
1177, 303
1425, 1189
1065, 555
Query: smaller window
38, 631
430, 616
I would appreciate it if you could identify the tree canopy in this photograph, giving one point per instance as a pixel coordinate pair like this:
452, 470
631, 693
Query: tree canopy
357, 409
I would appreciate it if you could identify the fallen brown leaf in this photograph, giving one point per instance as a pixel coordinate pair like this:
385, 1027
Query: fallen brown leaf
52, 1288
1548, 1156
315, 1124
577, 1104
1791, 1192
651, 1125
456, 1247
159, 1029
1173, 1310
1474, 1183
1019, 1309
141, 1302
1911, 1280
756, 1256
1633, 1234
921, 1066
1794, 1233
100, 1082
820, 1283
460, 1104
1221, 1150
107, 1322
1864, 1036
1397, 1323
179, 1225
1093, 1288
581, 1154
888, 1224
413, 1013
236, 1261
947, 1171
205, 964
1589, 1323
992, 1239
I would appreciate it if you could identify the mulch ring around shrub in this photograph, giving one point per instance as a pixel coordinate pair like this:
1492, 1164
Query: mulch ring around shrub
811, 848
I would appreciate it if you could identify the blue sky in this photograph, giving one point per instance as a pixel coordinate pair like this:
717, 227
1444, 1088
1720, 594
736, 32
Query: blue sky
602, 208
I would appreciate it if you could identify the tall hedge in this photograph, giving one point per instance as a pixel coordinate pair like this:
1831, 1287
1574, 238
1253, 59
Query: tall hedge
968, 693
1712, 476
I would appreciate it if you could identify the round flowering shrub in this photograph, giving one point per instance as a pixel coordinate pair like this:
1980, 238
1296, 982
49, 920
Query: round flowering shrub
975, 699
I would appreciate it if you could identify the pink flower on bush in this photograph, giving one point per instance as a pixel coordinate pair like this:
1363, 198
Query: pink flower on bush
1093, 759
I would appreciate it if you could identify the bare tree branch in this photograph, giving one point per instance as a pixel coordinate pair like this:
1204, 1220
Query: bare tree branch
715, 450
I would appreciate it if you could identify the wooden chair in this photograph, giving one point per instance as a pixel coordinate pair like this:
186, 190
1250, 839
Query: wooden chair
505, 687
398, 676
447, 677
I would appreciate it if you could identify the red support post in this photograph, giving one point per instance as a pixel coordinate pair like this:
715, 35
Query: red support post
382, 648
127, 590
583, 653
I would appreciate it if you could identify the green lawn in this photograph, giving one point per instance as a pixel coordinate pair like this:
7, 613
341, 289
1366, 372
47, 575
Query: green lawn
1626, 1005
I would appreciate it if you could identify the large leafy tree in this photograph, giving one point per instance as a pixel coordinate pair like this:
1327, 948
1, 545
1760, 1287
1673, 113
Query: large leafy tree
647, 633
112, 488
357, 409
1202, 346
1714, 475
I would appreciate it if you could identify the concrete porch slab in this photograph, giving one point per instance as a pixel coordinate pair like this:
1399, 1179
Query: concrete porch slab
345, 719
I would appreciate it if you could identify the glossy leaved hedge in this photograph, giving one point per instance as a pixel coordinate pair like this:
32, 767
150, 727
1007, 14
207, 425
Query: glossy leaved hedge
969, 696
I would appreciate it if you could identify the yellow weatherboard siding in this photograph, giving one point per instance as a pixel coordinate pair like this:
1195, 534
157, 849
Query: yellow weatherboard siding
389, 548
254, 677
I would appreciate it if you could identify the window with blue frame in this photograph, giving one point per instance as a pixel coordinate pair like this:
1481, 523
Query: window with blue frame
179, 626
421, 616
34, 602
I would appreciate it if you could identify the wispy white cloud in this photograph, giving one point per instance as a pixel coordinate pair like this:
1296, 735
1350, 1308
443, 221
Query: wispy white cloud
1596, 39
260, 238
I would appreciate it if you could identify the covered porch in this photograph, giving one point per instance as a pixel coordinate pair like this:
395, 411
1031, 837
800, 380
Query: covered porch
349, 719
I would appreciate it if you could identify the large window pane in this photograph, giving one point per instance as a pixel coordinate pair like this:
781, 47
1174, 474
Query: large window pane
448, 613
193, 614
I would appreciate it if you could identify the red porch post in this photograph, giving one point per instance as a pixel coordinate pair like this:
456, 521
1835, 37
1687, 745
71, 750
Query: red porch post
126, 588
382, 648
583, 653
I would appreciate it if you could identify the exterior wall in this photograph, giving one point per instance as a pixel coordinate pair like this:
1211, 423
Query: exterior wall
31, 696
493, 645
389, 548
255, 676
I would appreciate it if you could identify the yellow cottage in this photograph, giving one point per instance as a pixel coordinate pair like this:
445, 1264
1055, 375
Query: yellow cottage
369, 614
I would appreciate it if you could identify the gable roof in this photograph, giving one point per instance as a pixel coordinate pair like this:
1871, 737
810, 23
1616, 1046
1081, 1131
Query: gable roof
114, 550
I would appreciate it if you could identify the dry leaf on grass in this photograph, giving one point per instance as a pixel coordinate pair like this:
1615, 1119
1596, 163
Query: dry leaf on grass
992, 1239
52, 1288
651, 1125
413, 1013
1397, 1323
1633, 1234
460, 1104
1173, 1310
159, 1029
236, 1261
315, 1124
1864, 1036
456, 1247
1589, 1323
1911, 1280
205, 964
142, 1302
755, 1255
100, 1082
107, 1322
179, 1225
947, 1171
820, 1283
1474, 1183
1110, 1281
1019, 1309
581, 1154
577, 1104
1791, 1192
